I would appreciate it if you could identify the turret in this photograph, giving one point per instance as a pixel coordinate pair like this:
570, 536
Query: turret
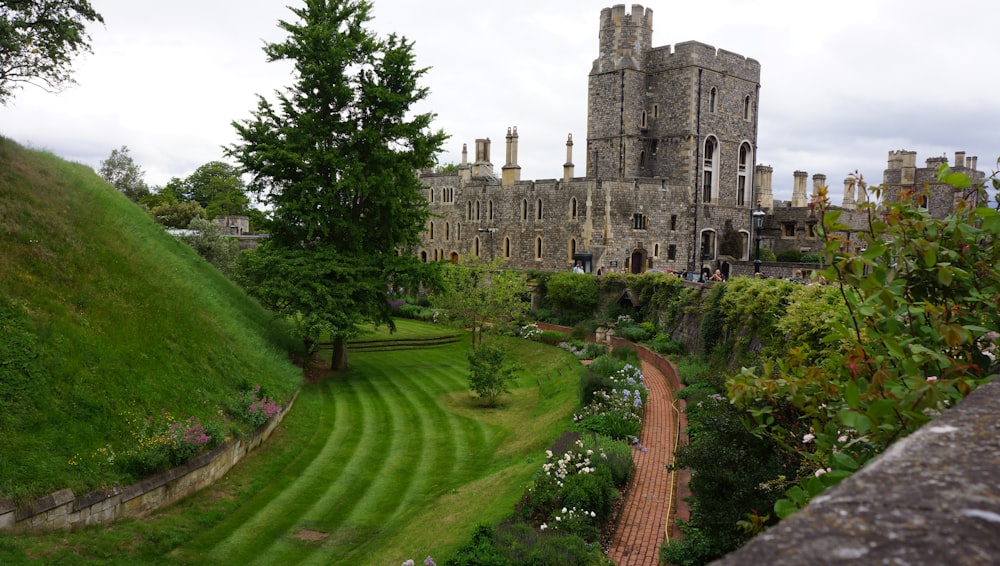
799, 188
511, 171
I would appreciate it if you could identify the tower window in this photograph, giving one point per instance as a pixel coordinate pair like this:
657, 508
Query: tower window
746, 108
712, 99
673, 221
671, 252
638, 221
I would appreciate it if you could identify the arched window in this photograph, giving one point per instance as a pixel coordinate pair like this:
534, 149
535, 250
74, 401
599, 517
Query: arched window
447, 231
708, 245
468, 210
538, 248
489, 206
524, 209
642, 159
572, 247
458, 231
713, 96
430, 195
642, 121
432, 231
506, 248
538, 208
656, 250
423, 256
475, 246
572, 209
710, 168
746, 108
743, 175
477, 210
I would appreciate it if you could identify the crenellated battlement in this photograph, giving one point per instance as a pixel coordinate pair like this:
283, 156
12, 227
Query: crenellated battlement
616, 17
624, 36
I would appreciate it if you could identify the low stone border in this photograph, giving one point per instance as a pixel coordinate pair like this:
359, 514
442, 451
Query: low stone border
62, 509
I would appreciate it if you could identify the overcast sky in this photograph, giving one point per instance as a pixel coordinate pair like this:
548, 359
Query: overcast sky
842, 82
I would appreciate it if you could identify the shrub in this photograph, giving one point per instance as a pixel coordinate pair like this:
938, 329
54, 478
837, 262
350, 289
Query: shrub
634, 333
491, 373
790, 256
616, 411
617, 457
254, 407
606, 365
583, 330
627, 354
665, 346
163, 441
572, 293
551, 337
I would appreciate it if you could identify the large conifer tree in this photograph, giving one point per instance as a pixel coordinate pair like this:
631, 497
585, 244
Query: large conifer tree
336, 158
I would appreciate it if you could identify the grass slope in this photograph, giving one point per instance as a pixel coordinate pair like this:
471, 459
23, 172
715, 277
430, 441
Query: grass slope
105, 320
390, 461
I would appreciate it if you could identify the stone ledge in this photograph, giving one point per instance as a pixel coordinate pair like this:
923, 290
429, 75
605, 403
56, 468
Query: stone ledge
932, 498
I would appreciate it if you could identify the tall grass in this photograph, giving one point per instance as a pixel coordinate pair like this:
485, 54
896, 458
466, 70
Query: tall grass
105, 319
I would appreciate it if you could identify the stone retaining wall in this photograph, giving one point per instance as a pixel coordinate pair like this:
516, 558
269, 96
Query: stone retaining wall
63, 509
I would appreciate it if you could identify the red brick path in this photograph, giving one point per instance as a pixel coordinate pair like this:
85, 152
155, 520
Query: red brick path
652, 498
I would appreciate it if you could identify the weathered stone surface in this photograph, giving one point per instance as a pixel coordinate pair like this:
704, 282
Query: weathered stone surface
932, 498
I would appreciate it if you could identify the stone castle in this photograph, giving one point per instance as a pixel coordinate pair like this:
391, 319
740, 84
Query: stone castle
669, 183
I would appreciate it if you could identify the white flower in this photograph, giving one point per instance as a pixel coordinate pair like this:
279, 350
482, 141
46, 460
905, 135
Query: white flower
543, 527
842, 438
821, 471
808, 438
932, 379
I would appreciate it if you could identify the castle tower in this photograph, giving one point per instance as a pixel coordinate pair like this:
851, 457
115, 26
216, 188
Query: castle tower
482, 166
511, 171
616, 92
568, 166
819, 181
799, 188
849, 194
762, 186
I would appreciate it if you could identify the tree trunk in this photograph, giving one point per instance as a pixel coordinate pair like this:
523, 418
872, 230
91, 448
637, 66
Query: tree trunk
339, 356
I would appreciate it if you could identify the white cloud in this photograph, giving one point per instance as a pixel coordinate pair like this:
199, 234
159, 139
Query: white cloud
842, 83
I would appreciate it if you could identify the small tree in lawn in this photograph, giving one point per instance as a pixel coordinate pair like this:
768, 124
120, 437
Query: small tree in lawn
479, 294
491, 373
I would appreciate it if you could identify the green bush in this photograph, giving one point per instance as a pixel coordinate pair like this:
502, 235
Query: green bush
665, 346
809, 257
583, 330
627, 354
572, 293
618, 457
634, 333
606, 365
790, 256
551, 337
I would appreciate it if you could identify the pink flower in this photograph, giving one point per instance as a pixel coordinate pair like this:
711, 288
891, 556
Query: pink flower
932, 379
808, 438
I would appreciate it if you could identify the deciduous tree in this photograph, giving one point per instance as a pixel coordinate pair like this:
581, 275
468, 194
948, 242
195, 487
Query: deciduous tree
480, 294
38, 39
124, 174
335, 156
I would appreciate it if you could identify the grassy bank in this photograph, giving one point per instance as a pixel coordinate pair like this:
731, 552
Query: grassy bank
105, 321
392, 460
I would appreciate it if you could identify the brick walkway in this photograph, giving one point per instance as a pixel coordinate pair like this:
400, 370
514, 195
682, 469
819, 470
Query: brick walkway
643, 523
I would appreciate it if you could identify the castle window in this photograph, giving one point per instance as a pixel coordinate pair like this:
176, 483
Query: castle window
447, 231
788, 230
710, 180
475, 247
742, 175
746, 108
490, 207
673, 221
656, 110
431, 230
423, 256
671, 252
572, 209
713, 96
708, 245
458, 230
538, 248
448, 195
430, 196
656, 250
524, 209
572, 247
654, 145
468, 210
477, 210
811, 231
538, 209
506, 248
642, 159
638, 221
642, 121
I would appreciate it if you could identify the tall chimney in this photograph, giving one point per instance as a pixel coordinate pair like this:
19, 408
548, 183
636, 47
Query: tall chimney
568, 166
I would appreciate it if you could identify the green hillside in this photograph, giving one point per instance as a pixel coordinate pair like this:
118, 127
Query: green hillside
105, 321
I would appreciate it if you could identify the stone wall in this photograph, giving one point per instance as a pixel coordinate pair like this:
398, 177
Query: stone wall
931, 498
63, 509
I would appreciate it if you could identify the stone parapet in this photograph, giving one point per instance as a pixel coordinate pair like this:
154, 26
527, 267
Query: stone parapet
932, 498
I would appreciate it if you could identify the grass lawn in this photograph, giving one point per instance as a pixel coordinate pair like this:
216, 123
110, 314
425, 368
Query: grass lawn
391, 460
